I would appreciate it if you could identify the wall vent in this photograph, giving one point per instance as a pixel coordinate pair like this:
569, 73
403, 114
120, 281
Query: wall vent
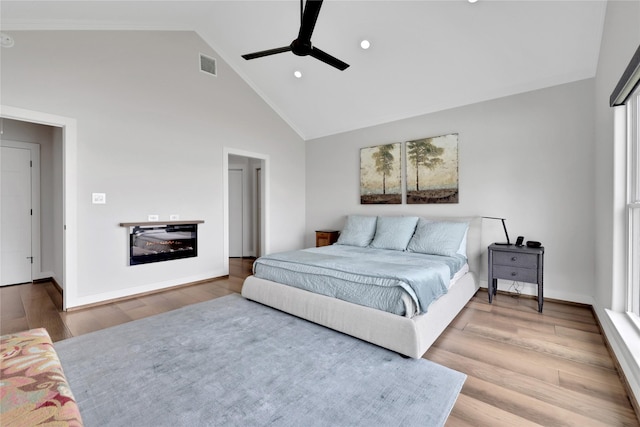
208, 65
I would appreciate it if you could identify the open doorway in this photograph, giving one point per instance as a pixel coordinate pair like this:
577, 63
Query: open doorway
58, 204
246, 197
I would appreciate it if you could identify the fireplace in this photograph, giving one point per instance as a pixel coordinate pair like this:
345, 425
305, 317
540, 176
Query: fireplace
162, 243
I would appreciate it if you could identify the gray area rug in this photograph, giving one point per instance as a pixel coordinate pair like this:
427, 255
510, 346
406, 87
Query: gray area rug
234, 362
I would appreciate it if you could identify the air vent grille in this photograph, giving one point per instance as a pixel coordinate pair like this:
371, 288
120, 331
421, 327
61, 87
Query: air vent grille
208, 65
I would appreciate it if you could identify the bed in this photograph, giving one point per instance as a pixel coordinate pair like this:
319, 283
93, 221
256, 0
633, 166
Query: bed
322, 285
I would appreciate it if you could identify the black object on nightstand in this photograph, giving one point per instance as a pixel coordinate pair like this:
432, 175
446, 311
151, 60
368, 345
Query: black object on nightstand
517, 263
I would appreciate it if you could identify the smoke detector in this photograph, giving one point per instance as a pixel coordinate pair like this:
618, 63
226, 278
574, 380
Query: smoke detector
6, 40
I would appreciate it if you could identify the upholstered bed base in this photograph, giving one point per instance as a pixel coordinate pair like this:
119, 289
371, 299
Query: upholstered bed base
408, 336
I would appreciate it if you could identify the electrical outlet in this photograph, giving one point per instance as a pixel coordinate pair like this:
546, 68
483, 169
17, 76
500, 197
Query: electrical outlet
98, 198
174, 217
153, 218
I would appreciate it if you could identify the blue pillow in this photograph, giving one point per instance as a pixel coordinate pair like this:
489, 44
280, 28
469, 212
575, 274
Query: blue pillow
438, 237
358, 231
394, 232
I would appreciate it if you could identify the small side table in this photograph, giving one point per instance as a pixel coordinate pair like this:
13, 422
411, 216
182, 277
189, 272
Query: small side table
518, 263
326, 238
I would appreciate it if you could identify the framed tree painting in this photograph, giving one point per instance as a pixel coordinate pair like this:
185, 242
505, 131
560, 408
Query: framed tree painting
381, 174
432, 170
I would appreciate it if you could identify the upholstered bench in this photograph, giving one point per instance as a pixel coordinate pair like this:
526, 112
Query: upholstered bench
33, 388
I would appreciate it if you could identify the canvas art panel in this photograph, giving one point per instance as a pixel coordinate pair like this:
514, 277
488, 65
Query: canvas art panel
432, 170
381, 174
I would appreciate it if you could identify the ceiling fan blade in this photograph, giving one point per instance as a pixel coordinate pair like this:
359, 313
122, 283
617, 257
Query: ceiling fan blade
331, 60
268, 52
309, 18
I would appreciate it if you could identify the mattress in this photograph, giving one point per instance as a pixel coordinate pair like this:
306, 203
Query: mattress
397, 282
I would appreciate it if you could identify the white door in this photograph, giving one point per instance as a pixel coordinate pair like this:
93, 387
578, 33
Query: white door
15, 216
236, 213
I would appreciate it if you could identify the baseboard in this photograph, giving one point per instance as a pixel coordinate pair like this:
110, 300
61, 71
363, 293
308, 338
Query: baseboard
141, 294
53, 281
535, 297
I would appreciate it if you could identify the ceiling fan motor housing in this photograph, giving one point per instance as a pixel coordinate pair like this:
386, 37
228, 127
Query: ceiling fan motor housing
301, 48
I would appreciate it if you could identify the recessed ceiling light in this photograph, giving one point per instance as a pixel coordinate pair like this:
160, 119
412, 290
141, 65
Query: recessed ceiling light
297, 74
365, 44
472, 1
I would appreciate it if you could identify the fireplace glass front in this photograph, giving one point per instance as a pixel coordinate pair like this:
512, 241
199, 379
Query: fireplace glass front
162, 243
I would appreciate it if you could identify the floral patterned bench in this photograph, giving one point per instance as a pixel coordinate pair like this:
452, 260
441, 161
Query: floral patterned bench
33, 388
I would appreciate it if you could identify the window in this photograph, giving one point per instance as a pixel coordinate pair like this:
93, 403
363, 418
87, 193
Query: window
627, 93
633, 202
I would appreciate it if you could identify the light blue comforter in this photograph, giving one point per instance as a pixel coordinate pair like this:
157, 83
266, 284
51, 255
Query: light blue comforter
372, 277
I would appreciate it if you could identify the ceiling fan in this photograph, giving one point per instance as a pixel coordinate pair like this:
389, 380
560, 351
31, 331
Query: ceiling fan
302, 45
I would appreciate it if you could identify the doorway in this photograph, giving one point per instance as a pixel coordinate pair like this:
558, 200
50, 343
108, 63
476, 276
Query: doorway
245, 205
62, 201
244, 201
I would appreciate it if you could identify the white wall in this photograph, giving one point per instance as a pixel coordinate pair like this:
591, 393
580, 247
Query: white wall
528, 158
151, 130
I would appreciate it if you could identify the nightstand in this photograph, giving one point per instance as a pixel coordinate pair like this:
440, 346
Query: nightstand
517, 263
326, 238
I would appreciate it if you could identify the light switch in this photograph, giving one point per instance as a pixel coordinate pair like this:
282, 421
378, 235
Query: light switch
98, 198
174, 217
153, 218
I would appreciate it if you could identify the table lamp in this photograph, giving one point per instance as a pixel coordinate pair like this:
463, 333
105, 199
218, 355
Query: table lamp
503, 226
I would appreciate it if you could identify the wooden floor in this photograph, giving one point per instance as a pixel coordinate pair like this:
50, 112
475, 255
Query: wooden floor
523, 368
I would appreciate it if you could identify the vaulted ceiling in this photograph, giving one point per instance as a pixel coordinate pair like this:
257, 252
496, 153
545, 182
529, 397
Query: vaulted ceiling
425, 56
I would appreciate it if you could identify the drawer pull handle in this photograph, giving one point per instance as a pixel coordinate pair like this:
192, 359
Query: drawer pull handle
513, 258
513, 273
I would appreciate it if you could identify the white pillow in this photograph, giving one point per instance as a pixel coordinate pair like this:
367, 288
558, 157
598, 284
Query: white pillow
394, 232
358, 231
462, 250
438, 237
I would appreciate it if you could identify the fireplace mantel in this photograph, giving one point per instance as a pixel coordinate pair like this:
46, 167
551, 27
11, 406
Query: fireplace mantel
152, 223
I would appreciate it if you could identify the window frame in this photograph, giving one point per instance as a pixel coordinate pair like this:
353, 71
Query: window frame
633, 205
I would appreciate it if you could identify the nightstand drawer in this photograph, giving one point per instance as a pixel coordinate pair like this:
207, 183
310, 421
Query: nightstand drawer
529, 275
515, 259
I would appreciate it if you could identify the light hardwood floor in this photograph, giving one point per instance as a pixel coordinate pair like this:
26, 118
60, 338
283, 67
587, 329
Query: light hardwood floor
523, 368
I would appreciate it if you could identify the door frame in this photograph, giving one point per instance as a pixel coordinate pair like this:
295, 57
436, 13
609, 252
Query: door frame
264, 232
36, 265
69, 194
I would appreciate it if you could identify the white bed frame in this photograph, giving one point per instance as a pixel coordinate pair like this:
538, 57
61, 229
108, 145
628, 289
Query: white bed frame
408, 336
